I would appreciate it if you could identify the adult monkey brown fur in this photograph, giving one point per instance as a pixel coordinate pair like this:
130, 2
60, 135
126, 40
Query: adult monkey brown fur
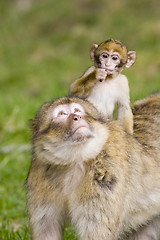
93, 173
104, 85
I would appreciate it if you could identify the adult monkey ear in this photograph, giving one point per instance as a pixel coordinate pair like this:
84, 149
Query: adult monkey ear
34, 126
93, 49
131, 58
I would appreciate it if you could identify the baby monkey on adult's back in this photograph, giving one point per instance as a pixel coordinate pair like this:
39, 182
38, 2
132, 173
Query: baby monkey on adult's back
104, 85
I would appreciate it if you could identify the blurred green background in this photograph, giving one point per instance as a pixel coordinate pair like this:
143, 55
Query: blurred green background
44, 47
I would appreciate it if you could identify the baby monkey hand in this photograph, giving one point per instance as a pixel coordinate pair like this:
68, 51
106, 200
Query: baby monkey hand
101, 74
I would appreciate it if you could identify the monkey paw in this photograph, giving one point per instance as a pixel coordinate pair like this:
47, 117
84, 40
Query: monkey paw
101, 74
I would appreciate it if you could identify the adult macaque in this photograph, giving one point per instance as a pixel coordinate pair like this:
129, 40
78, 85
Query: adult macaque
91, 172
104, 85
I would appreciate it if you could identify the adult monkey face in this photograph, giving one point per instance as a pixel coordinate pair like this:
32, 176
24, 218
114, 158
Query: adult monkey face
72, 117
66, 124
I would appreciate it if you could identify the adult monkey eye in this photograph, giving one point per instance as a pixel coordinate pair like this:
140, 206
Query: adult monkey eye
105, 55
115, 57
76, 110
61, 113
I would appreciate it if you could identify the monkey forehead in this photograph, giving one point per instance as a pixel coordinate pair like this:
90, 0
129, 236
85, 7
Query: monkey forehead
76, 106
67, 108
112, 52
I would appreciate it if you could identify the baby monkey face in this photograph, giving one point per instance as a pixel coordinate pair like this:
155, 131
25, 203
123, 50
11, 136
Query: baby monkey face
72, 117
112, 55
110, 61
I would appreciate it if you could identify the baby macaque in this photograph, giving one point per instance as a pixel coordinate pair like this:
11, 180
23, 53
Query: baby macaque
94, 174
104, 85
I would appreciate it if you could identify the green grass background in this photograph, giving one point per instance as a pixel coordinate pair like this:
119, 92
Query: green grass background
44, 46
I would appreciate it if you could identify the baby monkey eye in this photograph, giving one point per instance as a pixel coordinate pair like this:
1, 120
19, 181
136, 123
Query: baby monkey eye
105, 55
115, 57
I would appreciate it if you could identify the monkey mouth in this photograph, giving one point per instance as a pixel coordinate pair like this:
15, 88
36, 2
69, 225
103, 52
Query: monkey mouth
109, 71
80, 129
81, 133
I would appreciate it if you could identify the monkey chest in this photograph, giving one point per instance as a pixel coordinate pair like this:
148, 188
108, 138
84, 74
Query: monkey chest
103, 96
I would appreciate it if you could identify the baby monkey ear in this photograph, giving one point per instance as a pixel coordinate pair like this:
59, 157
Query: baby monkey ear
93, 49
131, 58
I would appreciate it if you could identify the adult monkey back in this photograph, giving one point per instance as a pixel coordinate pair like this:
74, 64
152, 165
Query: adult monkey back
92, 172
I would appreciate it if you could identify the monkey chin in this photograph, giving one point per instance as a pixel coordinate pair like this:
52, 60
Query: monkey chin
81, 134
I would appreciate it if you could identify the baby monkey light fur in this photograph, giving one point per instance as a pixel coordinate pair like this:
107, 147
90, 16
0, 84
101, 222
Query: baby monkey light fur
94, 174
